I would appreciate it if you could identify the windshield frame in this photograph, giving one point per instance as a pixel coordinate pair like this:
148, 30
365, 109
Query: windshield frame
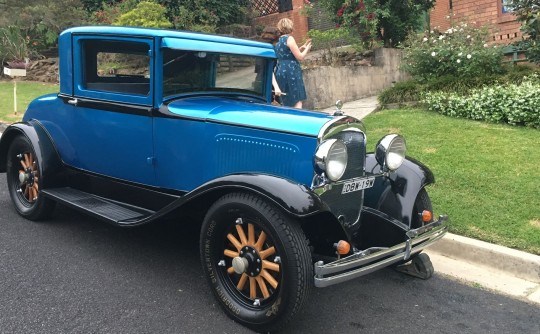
205, 70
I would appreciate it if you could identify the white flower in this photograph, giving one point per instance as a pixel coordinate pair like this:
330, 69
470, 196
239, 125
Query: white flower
460, 54
485, 45
468, 36
433, 54
469, 56
425, 39
458, 61
441, 37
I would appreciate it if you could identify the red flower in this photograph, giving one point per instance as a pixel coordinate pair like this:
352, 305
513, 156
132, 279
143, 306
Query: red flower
361, 5
340, 11
370, 16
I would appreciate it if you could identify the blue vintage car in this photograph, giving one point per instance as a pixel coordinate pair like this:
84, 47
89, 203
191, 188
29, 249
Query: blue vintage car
152, 122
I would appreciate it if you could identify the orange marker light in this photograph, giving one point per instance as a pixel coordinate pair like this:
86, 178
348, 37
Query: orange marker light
343, 247
427, 216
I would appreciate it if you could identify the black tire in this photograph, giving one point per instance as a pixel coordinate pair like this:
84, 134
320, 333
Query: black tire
262, 311
26, 194
423, 265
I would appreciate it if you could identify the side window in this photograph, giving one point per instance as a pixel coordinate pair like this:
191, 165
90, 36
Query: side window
116, 67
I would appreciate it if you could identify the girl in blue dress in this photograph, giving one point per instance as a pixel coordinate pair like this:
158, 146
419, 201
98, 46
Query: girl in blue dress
288, 71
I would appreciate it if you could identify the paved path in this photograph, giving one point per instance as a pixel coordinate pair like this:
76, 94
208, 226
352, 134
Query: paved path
359, 108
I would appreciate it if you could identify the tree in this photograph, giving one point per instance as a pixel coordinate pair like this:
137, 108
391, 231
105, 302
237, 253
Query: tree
528, 13
42, 20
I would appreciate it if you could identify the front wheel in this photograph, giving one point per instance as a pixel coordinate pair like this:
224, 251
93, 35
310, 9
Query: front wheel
24, 181
257, 261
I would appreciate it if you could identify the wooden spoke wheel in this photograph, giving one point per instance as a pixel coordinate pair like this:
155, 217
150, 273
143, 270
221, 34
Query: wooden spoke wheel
252, 263
28, 177
256, 260
24, 181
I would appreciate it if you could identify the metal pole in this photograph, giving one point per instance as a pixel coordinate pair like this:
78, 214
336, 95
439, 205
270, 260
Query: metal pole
15, 96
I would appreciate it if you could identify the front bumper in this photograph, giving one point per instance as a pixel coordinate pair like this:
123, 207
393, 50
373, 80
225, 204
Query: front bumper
366, 261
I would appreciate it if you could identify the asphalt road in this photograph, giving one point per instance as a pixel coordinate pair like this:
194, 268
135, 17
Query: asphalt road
74, 274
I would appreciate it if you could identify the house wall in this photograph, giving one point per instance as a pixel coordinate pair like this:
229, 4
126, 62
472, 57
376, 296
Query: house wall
504, 26
300, 21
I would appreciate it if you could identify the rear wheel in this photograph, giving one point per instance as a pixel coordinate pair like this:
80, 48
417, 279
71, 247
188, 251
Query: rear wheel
257, 261
24, 181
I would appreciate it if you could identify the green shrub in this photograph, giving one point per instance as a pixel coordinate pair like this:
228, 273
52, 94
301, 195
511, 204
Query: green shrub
328, 41
460, 51
410, 90
145, 14
405, 91
515, 104
15, 44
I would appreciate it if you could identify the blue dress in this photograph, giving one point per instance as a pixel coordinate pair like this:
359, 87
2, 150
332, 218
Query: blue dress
289, 74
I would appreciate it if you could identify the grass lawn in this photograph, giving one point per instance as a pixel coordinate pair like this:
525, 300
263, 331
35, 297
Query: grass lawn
26, 92
487, 175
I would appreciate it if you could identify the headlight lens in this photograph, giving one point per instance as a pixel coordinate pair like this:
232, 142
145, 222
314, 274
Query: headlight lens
390, 151
331, 158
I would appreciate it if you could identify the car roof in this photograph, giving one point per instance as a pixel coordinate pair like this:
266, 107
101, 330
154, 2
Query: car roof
155, 32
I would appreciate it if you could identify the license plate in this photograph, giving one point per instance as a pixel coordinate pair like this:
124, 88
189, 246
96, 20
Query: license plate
355, 185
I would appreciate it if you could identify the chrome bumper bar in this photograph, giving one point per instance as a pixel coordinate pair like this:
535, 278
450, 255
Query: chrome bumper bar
367, 261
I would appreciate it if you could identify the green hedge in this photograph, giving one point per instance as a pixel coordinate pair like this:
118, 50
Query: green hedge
515, 104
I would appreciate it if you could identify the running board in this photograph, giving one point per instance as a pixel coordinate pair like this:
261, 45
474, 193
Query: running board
99, 207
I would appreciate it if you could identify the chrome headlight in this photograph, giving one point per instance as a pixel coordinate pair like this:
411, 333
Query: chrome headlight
331, 158
390, 151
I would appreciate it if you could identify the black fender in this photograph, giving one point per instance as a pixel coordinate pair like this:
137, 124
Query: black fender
294, 198
395, 195
50, 164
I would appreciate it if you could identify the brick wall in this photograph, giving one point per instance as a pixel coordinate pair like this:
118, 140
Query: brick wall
300, 22
505, 28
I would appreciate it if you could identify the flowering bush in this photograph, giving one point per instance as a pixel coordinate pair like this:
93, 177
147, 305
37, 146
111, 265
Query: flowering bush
515, 104
461, 51
386, 21
359, 17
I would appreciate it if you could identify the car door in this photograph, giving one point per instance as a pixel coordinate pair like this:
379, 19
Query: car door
111, 123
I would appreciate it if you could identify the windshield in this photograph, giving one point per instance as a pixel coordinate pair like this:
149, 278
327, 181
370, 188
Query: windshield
197, 71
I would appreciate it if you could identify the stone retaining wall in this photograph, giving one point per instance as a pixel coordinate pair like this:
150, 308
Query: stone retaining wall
326, 84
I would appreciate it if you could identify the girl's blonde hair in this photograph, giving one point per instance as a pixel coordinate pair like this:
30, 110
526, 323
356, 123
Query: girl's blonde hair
285, 26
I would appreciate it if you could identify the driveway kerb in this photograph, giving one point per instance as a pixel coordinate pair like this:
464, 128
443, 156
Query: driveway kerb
520, 264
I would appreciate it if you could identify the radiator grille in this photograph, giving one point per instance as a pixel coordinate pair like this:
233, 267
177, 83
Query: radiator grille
348, 206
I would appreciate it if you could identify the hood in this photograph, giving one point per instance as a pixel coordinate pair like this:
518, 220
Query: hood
253, 114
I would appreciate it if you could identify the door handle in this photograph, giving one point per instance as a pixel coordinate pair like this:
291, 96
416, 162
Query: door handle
73, 102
